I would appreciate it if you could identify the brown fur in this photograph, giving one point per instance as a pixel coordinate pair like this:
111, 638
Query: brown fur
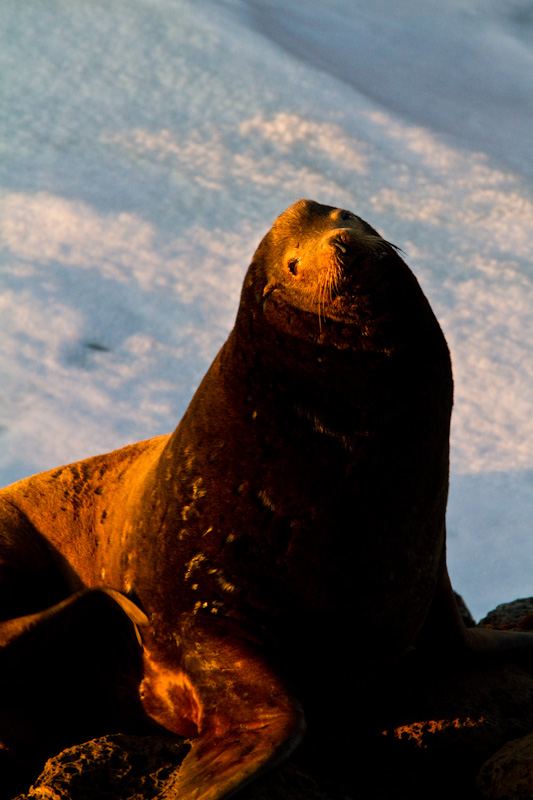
306, 484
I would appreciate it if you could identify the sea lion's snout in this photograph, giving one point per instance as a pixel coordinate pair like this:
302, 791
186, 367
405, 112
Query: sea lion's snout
339, 244
344, 250
342, 242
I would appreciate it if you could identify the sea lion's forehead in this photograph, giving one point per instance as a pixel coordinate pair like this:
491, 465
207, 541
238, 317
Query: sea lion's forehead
306, 216
304, 210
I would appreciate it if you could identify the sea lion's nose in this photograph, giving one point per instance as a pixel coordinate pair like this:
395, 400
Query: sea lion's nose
343, 240
340, 243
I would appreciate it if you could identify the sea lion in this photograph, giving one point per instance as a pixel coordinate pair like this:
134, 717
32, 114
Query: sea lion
306, 484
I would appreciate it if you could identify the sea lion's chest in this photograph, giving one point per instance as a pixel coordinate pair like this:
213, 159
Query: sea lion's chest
274, 524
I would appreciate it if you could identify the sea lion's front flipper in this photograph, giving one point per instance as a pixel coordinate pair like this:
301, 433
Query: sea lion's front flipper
247, 719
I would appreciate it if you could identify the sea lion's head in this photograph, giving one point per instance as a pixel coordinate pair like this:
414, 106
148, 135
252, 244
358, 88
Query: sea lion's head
322, 257
324, 274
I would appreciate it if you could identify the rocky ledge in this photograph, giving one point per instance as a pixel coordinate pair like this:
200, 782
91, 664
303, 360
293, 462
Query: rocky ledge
443, 730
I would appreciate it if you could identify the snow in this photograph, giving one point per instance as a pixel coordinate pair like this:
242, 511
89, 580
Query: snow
147, 145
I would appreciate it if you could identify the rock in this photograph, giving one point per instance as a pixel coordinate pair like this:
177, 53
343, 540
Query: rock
426, 730
120, 767
510, 615
116, 767
508, 774
450, 721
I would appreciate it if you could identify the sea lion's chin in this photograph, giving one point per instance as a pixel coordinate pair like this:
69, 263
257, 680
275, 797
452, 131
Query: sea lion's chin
341, 323
315, 310
331, 296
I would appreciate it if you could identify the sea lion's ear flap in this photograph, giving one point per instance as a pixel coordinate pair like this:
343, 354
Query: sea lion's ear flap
133, 611
67, 672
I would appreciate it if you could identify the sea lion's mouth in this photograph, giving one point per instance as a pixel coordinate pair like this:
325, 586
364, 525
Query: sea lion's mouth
348, 271
338, 254
350, 249
341, 239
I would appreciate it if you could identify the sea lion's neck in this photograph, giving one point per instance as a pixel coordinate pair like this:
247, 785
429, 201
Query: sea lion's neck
337, 391
266, 383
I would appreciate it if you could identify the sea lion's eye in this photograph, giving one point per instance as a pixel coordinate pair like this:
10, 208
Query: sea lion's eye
346, 215
292, 264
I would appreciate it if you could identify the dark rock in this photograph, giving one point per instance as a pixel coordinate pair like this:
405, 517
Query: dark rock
508, 774
116, 767
426, 729
449, 721
122, 767
510, 615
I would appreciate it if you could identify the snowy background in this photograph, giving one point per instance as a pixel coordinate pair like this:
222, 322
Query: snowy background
147, 145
